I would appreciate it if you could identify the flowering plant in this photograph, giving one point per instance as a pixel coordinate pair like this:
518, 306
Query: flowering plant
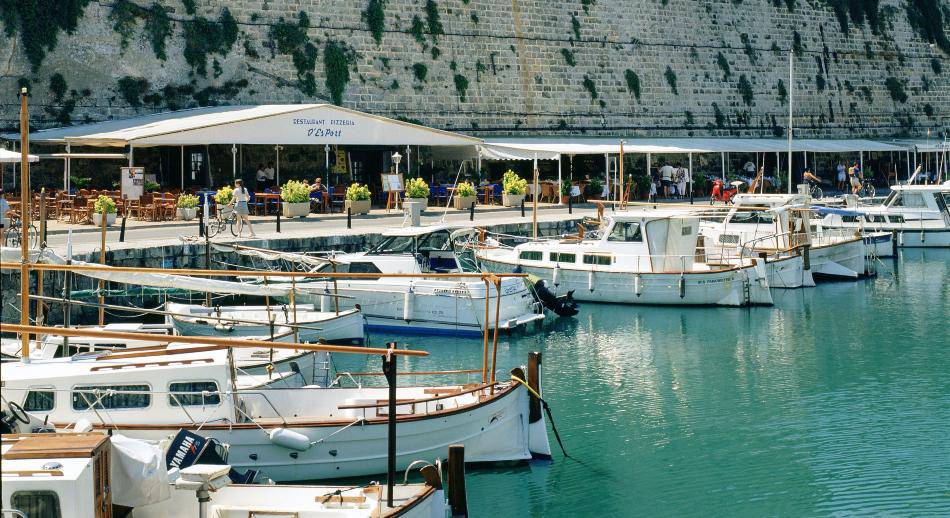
357, 192
104, 205
514, 184
417, 188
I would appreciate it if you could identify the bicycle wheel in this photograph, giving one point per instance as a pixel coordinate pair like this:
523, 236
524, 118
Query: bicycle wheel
231, 224
817, 193
869, 191
212, 228
33, 235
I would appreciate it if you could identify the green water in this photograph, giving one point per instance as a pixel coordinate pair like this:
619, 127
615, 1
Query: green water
834, 401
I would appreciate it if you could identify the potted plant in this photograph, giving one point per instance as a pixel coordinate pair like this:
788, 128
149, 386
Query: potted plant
222, 198
642, 183
151, 186
465, 196
357, 199
187, 207
565, 191
700, 184
417, 190
514, 188
296, 199
104, 205
595, 189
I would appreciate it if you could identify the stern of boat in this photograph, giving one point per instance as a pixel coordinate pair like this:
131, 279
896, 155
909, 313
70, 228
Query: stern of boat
530, 378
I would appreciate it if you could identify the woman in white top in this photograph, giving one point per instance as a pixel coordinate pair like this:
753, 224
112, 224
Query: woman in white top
239, 202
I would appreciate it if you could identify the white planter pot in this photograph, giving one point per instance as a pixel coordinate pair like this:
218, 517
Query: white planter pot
423, 202
358, 206
97, 219
187, 214
296, 210
512, 200
464, 202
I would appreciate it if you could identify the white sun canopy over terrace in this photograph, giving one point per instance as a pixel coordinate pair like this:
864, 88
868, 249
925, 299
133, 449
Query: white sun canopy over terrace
13, 157
291, 124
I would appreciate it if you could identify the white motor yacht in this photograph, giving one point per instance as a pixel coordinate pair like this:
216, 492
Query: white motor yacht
638, 257
917, 214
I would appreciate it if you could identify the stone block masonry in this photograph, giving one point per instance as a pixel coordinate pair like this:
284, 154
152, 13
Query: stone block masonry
489, 67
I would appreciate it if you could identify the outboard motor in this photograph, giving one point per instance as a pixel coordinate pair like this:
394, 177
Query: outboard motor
189, 448
563, 306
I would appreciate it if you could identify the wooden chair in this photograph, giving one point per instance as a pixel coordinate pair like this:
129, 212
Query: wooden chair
77, 210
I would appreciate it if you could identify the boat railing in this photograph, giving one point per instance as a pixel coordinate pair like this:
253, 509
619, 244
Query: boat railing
783, 244
413, 403
352, 376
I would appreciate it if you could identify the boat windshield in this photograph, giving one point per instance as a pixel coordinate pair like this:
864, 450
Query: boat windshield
625, 231
753, 216
395, 245
909, 199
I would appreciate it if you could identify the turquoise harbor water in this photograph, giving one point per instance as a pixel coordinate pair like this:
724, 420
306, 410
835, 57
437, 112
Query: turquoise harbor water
834, 401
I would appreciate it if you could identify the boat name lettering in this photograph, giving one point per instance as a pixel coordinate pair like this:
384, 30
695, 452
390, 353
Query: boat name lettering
711, 281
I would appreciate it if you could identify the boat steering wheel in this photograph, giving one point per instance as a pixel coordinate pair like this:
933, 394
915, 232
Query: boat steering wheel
17, 413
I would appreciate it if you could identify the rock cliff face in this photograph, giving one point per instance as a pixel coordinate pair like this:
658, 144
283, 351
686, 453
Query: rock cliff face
639, 67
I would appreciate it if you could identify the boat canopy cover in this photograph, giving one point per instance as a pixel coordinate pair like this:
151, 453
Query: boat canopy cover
272, 255
831, 210
139, 475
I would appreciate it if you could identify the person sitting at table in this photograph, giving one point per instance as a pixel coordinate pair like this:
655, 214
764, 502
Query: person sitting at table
317, 200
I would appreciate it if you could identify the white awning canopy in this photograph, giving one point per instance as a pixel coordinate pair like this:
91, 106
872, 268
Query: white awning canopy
290, 124
924, 145
551, 147
14, 157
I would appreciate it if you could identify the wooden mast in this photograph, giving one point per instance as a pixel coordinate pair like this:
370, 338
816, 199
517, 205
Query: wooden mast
24, 223
534, 212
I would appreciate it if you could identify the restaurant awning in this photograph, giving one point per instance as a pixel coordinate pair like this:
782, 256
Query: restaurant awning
524, 148
14, 157
307, 124
923, 145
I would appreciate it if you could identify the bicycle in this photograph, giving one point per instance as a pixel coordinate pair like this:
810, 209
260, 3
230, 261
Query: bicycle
13, 234
224, 219
815, 191
866, 190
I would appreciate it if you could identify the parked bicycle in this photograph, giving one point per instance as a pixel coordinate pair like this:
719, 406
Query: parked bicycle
225, 218
815, 191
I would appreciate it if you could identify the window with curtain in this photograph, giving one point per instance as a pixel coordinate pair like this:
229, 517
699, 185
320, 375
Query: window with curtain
37, 504
124, 397
192, 393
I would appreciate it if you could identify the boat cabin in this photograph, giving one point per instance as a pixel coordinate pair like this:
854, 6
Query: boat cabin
920, 204
184, 387
641, 241
424, 249
759, 222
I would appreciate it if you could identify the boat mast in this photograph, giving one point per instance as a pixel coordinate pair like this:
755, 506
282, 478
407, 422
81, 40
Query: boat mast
534, 215
791, 94
24, 224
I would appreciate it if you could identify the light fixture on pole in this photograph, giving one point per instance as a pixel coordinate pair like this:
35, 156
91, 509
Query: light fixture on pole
396, 159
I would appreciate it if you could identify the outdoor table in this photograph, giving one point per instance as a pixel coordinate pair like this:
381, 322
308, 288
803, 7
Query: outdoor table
264, 197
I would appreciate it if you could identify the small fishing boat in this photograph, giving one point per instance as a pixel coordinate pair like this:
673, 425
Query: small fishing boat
304, 433
421, 305
638, 257
778, 225
309, 325
91, 475
919, 215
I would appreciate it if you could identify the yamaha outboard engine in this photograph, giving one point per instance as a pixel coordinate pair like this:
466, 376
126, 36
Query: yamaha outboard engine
189, 448
563, 306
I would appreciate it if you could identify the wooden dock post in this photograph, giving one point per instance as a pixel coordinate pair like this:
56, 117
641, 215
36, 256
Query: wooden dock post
534, 381
457, 499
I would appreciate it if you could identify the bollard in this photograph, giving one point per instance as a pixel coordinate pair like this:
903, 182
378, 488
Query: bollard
349, 217
570, 205
278, 216
458, 500
471, 212
201, 222
522, 207
122, 228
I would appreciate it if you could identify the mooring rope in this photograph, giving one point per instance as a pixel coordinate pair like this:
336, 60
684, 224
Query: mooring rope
547, 410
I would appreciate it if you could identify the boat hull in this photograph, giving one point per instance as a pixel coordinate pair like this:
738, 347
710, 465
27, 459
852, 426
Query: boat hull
718, 288
845, 259
346, 328
789, 272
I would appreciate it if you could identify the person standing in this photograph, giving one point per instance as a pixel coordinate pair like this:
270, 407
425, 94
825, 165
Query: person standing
666, 176
681, 180
854, 172
269, 172
261, 177
239, 201
4, 221
842, 176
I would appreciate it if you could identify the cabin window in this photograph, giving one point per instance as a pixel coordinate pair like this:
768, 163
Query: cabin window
625, 231
39, 401
687, 230
531, 255
36, 503
943, 201
878, 218
849, 219
729, 239
395, 245
122, 397
563, 257
603, 259
896, 218
910, 199
434, 241
193, 393
364, 267
754, 216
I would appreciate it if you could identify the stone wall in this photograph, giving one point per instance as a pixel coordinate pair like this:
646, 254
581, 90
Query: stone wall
509, 66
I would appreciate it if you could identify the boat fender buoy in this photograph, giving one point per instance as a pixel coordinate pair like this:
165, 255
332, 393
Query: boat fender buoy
556, 275
325, 300
638, 285
289, 439
682, 286
590, 281
407, 301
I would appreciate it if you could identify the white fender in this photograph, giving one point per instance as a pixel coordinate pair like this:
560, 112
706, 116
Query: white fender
590, 281
408, 300
289, 439
325, 300
555, 275
638, 284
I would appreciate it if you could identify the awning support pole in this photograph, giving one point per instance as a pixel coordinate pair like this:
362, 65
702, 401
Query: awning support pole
689, 178
183, 168
723, 156
233, 161
558, 190
68, 171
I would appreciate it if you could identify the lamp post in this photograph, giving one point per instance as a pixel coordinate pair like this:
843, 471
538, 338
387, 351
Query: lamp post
396, 159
